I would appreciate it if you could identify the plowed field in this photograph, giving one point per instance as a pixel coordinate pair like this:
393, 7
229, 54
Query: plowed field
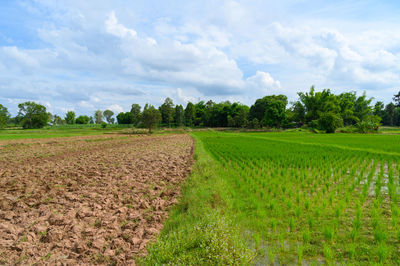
85, 200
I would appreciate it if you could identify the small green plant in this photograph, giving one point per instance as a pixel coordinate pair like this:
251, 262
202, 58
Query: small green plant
328, 233
300, 255
306, 236
382, 252
328, 253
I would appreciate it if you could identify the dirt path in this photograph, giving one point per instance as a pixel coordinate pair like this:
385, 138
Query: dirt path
87, 200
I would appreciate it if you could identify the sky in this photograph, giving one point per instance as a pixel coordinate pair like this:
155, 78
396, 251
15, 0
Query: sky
89, 55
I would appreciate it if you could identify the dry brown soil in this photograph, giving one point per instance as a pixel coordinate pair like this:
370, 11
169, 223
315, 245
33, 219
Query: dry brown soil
87, 200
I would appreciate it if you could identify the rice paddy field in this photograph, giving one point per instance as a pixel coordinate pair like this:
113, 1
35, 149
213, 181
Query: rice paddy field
310, 198
288, 198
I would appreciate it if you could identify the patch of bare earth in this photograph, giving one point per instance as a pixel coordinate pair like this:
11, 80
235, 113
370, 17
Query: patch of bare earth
87, 200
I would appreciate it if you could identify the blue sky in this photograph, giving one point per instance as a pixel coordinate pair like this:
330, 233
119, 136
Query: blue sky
89, 55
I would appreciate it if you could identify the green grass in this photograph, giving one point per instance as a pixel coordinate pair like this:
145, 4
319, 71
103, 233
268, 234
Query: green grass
59, 131
292, 197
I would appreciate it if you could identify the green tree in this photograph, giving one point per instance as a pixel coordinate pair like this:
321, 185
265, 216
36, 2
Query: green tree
389, 118
135, 113
396, 99
330, 122
32, 115
108, 116
347, 102
150, 117
98, 117
179, 115
4, 116
57, 120
82, 119
379, 109
270, 110
189, 114
70, 117
167, 111
362, 107
124, 118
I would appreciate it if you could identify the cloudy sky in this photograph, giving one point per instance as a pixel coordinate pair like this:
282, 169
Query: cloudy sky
87, 55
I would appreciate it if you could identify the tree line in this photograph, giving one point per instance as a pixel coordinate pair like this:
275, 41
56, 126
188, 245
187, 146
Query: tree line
320, 110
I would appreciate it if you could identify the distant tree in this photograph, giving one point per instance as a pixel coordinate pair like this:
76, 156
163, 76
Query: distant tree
330, 122
108, 116
57, 120
379, 109
91, 121
82, 119
4, 116
189, 114
167, 111
347, 102
389, 118
150, 117
32, 115
135, 113
362, 107
124, 118
70, 117
50, 117
370, 124
179, 115
240, 114
396, 99
270, 110
98, 117
298, 113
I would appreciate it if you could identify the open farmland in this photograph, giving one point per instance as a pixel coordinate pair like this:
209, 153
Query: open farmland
83, 200
311, 198
287, 198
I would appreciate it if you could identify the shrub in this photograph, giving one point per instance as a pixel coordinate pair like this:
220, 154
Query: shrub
369, 124
329, 122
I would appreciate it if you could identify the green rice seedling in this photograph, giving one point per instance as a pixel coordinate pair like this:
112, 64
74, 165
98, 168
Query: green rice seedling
352, 251
292, 224
306, 236
379, 234
328, 253
328, 233
271, 256
297, 211
307, 204
354, 234
382, 252
300, 255
310, 221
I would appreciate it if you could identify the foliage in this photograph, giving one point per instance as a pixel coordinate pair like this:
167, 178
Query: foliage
329, 122
70, 117
32, 115
369, 125
4, 116
124, 118
98, 117
270, 110
167, 111
189, 114
179, 115
135, 114
108, 116
150, 117
82, 119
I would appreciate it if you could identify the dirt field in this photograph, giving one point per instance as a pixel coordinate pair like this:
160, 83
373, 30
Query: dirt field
85, 200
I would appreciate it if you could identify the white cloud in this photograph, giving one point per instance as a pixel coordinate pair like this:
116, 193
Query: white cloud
85, 57
115, 108
114, 28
